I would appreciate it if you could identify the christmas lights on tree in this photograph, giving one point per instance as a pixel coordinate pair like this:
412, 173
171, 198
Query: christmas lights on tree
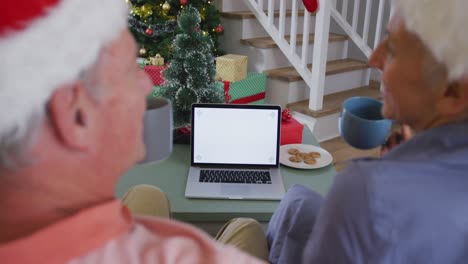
154, 26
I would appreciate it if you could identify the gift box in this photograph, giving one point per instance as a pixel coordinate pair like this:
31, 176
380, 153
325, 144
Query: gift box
156, 74
291, 132
248, 91
157, 60
231, 67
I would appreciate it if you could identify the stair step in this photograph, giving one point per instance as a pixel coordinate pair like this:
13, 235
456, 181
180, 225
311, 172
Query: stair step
268, 42
332, 103
333, 67
249, 14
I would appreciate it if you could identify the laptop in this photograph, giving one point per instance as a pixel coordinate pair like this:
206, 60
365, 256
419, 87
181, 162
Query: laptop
235, 152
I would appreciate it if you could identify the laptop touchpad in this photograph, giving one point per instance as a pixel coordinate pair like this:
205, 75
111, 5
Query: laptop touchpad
235, 190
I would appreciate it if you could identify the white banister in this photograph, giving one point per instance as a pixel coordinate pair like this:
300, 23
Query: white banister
282, 18
319, 62
344, 9
366, 20
271, 11
315, 77
380, 17
260, 6
293, 38
305, 39
355, 13
351, 32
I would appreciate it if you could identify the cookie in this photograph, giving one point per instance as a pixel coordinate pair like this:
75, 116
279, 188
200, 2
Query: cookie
293, 151
314, 155
295, 159
302, 155
310, 160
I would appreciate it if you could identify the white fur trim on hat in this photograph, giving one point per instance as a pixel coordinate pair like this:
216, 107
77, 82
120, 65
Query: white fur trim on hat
51, 51
441, 25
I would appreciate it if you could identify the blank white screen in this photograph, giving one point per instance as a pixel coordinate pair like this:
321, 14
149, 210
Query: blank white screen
235, 136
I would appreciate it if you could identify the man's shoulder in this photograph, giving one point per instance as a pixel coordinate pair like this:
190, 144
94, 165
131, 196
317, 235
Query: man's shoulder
362, 171
161, 239
366, 182
398, 188
388, 172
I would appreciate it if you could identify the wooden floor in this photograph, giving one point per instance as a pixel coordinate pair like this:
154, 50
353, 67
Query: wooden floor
342, 152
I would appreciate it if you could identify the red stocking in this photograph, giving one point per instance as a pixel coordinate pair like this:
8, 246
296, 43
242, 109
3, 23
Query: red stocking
311, 5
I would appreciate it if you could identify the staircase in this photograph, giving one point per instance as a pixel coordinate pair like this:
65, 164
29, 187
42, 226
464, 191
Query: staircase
283, 41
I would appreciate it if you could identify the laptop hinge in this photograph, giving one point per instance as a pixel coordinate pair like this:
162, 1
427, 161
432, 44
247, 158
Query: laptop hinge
229, 166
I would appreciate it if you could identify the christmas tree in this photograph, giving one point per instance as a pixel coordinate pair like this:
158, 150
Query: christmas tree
154, 26
190, 75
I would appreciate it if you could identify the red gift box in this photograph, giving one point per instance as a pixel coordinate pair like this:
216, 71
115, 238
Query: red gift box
156, 74
291, 132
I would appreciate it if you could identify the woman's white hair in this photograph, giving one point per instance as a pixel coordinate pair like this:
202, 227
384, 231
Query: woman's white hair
440, 25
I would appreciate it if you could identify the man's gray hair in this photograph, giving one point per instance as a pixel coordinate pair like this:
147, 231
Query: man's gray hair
16, 141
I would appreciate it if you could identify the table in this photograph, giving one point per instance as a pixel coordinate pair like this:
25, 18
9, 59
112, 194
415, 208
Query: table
170, 175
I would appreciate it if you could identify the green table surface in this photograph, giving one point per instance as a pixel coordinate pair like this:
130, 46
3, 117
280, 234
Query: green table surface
170, 175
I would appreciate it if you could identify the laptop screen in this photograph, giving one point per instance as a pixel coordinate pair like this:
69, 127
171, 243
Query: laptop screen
228, 134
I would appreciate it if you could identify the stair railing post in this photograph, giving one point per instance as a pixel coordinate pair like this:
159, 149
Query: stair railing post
271, 11
259, 5
367, 20
344, 10
319, 63
355, 14
293, 32
282, 18
380, 25
305, 39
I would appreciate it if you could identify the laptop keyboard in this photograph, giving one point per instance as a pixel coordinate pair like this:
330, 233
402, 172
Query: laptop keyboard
235, 176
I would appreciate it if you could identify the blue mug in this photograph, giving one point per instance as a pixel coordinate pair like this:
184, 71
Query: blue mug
361, 123
157, 129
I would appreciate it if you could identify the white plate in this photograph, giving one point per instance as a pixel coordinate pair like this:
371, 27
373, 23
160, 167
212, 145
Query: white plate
324, 160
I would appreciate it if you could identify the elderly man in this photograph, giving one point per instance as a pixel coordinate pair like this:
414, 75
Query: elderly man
410, 205
72, 100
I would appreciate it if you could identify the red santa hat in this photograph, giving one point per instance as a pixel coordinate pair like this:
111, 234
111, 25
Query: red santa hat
46, 43
441, 26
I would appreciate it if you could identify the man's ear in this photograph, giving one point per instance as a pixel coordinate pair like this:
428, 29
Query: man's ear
454, 100
70, 113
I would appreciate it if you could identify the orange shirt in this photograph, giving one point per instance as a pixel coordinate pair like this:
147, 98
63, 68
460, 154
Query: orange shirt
108, 233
